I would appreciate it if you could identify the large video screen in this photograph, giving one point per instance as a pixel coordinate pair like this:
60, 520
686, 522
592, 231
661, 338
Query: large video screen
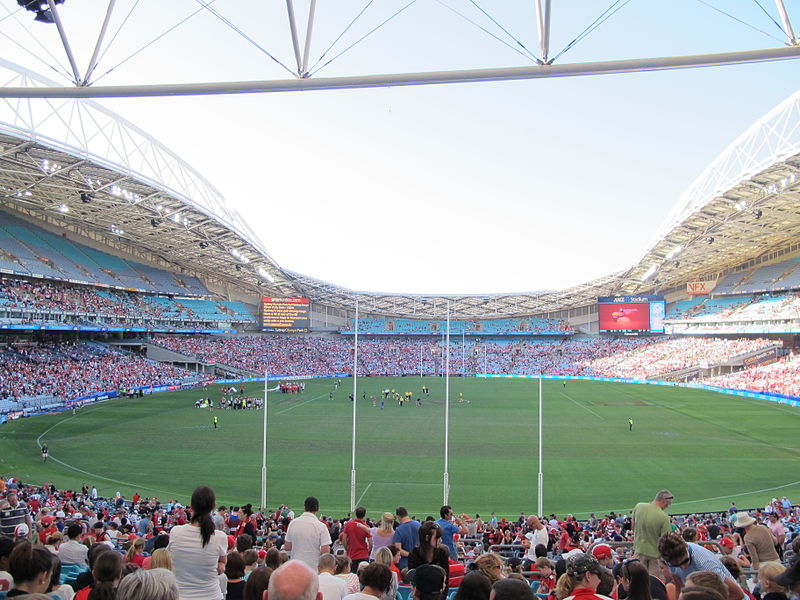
631, 314
285, 315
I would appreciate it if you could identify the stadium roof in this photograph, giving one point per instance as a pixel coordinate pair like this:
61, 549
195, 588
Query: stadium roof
75, 165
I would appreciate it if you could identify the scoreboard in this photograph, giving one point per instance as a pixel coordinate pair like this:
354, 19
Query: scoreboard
285, 315
629, 314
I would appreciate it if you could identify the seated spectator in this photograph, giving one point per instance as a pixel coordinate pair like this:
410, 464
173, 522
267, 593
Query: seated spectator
155, 584
31, 567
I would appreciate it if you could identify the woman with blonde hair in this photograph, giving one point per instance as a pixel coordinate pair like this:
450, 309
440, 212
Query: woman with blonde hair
491, 565
161, 559
766, 578
382, 536
384, 557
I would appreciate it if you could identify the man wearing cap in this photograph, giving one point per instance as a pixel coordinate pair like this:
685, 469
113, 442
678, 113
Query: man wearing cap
604, 555
681, 558
48, 528
428, 582
758, 540
649, 523
307, 537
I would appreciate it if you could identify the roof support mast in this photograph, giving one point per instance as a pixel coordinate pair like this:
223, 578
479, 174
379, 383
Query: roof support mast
787, 24
65, 41
295, 39
543, 23
309, 28
93, 62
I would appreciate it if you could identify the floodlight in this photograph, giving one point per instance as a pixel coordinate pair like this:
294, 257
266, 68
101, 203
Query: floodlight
263, 273
41, 8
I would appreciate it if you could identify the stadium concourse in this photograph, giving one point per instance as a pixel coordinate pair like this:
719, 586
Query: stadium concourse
62, 535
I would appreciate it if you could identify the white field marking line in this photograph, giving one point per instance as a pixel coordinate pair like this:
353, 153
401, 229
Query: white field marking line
581, 405
293, 406
358, 502
74, 468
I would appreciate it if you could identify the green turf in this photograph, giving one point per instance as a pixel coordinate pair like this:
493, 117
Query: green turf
707, 448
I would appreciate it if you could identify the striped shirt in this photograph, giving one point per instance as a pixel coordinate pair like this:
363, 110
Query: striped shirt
701, 559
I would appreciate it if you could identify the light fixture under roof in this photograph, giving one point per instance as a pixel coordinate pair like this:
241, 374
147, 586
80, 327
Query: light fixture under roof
265, 275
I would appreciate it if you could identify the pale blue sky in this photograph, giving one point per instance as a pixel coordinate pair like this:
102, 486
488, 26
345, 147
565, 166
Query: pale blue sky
468, 188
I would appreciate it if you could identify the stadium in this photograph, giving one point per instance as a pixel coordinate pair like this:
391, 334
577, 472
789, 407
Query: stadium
150, 341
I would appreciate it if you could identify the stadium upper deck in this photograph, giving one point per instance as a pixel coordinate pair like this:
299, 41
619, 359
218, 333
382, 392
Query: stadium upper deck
131, 196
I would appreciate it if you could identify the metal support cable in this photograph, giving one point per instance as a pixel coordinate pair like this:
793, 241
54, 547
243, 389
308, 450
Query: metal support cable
345, 30
738, 20
363, 37
604, 16
506, 31
486, 31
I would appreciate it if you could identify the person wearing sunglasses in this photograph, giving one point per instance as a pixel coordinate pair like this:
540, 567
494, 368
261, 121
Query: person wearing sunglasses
681, 558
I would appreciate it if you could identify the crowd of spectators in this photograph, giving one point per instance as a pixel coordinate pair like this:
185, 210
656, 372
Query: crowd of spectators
42, 301
639, 358
676, 353
69, 370
782, 377
242, 545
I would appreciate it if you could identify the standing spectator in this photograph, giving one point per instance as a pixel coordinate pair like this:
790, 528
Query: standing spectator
357, 540
650, 522
382, 536
13, 512
199, 550
450, 526
779, 531
758, 540
406, 535
307, 537
536, 536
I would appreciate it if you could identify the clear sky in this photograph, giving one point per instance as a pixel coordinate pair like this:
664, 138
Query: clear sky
465, 188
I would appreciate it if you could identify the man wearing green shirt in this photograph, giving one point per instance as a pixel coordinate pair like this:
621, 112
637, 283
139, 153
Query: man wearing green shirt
650, 522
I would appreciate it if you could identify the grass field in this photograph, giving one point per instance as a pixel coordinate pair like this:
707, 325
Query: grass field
707, 448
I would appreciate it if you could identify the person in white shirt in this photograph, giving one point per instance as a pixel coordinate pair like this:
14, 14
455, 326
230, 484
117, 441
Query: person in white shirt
331, 587
307, 537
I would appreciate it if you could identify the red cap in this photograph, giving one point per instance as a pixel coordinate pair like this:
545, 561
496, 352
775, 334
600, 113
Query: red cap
727, 542
601, 551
